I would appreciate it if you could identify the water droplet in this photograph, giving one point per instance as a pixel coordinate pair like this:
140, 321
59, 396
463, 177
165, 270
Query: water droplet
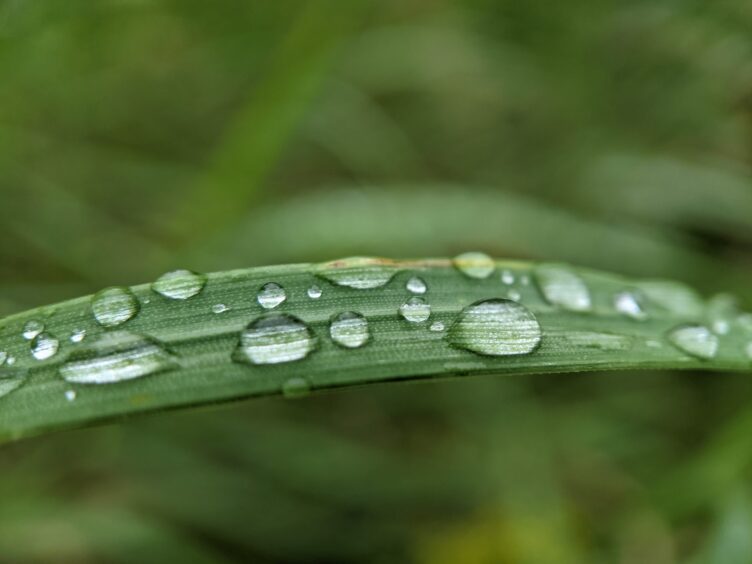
359, 273
350, 330
416, 285
11, 380
117, 357
314, 292
415, 310
11, 360
722, 310
653, 344
695, 340
525, 280
674, 297
628, 304
275, 339
514, 295
114, 306
271, 295
296, 388
70, 395
748, 350
179, 284
44, 346
600, 341
220, 308
475, 265
78, 335
437, 326
496, 328
507, 277
562, 287
721, 327
32, 329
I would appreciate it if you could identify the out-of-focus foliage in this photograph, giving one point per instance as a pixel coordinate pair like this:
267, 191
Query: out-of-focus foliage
141, 135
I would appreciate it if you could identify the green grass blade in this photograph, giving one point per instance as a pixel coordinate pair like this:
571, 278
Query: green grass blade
186, 352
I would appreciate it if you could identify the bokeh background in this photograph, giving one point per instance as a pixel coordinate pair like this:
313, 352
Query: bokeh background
138, 136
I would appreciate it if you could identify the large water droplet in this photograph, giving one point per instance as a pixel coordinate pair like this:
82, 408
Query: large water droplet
44, 346
116, 357
114, 306
314, 292
496, 328
415, 310
271, 295
32, 329
695, 340
416, 285
296, 388
475, 265
11, 380
275, 339
179, 284
562, 287
350, 330
627, 303
359, 273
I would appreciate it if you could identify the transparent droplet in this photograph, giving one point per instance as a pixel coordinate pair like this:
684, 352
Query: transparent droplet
70, 395
11, 360
314, 292
475, 265
220, 308
514, 295
599, 341
350, 330
44, 346
359, 273
722, 310
32, 329
415, 310
562, 287
114, 306
296, 388
179, 284
416, 285
674, 297
117, 357
628, 304
271, 295
275, 339
525, 280
11, 380
496, 328
78, 336
721, 327
437, 326
695, 340
507, 277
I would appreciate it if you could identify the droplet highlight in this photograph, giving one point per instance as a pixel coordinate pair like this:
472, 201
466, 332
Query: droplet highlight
415, 310
44, 346
314, 292
275, 339
349, 330
179, 284
271, 295
78, 336
220, 308
695, 340
416, 285
563, 288
32, 329
475, 265
629, 305
114, 306
437, 326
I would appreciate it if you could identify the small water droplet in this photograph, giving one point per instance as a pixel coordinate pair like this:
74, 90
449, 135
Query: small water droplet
496, 328
179, 284
220, 308
748, 350
3, 357
271, 295
275, 339
627, 303
114, 306
78, 336
653, 344
32, 329
674, 297
11, 380
70, 395
415, 310
314, 292
359, 273
695, 340
296, 388
11, 360
721, 327
600, 341
117, 357
507, 277
514, 295
562, 287
44, 346
721, 311
416, 285
350, 330
475, 265
525, 280
437, 326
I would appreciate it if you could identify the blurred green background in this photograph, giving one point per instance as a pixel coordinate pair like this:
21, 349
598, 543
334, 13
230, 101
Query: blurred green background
138, 136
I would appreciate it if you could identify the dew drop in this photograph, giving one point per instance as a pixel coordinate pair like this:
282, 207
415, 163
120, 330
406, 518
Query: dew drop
11, 360
349, 330
78, 336
359, 273
475, 265
179, 284
415, 310
275, 339
416, 285
674, 297
525, 280
44, 346
496, 328
437, 326
117, 357
628, 304
748, 350
70, 395
507, 277
514, 295
11, 380
296, 388
32, 329
695, 340
114, 306
721, 311
599, 341
220, 308
271, 295
314, 292
562, 287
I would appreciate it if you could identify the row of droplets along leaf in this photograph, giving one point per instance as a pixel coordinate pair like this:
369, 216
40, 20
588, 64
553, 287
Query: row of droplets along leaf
491, 327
